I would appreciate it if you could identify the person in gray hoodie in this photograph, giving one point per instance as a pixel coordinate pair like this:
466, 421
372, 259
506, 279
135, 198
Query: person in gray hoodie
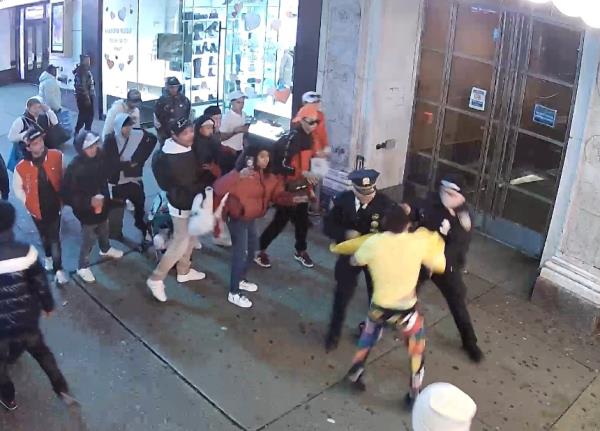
50, 90
130, 106
126, 150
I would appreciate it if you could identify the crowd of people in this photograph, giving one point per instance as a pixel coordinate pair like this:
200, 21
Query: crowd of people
396, 246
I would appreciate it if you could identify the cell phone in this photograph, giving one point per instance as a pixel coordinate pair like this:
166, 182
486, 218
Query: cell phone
250, 162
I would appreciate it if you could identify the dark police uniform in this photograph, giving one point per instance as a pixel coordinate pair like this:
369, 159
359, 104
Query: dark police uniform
432, 214
343, 217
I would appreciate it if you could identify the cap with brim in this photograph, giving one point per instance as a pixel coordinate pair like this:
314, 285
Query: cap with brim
180, 125
237, 95
33, 133
89, 141
172, 81
311, 97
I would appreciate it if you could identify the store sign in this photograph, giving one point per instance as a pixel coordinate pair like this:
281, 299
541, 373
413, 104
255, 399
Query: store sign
119, 47
4, 4
544, 115
477, 99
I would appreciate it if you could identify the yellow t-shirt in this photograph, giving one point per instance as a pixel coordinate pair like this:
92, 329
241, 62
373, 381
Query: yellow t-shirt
395, 260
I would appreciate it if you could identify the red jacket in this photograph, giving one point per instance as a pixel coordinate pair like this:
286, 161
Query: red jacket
249, 196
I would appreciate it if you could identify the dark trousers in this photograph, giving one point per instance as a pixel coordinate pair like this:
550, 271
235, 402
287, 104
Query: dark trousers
89, 234
85, 116
34, 343
50, 235
453, 288
243, 249
120, 193
346, 278
4, 188
298, 214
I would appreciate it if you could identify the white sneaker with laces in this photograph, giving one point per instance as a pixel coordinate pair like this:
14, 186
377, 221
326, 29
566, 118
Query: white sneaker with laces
193, 275
198, 245
61, 277
247, 286
48, 265
222, 241
113, 253
239, 300
86, 275
157, 287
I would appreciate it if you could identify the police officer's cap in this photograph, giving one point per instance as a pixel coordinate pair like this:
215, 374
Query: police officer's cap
364, 180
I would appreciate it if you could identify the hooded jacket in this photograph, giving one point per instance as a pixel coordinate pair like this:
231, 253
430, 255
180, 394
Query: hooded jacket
84, 178
119, 107
125, 158
50, 91
85, 90
170, 108
185, 177
24, 289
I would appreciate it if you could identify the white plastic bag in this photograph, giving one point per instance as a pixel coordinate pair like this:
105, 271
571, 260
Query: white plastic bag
202, 219
319, 166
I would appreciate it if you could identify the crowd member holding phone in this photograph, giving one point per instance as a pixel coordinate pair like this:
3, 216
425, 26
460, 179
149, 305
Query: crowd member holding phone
234, 122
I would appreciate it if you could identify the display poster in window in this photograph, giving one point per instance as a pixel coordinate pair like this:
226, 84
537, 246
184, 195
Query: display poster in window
119, 47
477, 99
58, 27
544, 115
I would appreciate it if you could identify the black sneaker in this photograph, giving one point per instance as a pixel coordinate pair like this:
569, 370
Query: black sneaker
304, 259
9, 405
474, 353
331, 342
262, 260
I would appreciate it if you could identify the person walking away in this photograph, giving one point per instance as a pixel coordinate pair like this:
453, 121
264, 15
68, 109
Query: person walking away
129, 106
208, 152
171, 107
49, 90
234, 124
249, 193
24, 294
126, 151
394, 259
446, 212
37, 183
293, 153
85, 93
354, 213
443, 407
37, 115
85, 189
178, 173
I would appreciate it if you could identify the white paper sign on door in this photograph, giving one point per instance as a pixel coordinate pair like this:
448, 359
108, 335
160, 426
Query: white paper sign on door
477, 99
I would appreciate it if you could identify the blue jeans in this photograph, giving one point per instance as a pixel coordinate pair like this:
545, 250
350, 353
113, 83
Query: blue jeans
244, 243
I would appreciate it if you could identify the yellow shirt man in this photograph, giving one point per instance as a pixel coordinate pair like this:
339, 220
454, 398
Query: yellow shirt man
395, 260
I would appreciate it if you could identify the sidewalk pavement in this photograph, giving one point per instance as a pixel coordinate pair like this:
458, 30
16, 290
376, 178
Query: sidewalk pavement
199, 363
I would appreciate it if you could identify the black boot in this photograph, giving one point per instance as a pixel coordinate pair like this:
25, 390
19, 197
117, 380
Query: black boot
331, 342
198, 68
474, 352
211, 61
210, 72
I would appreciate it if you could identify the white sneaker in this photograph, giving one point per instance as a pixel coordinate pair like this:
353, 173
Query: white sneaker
157, 287
247, 286
48, 265
239, 300
129, 205
222, 241
61, 277
86, 275
198, 245
113, 253
193, 275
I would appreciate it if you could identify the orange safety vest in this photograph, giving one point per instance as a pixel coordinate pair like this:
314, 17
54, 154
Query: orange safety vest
28, 172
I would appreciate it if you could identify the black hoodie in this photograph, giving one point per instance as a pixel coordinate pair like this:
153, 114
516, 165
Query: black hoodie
86, 177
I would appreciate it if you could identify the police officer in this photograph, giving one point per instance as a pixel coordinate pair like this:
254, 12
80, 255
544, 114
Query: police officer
446, 212
354, 213
172, 106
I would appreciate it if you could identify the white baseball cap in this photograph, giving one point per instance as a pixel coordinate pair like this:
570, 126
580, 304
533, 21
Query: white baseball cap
443, 407
311, 97
89, 140
235, 95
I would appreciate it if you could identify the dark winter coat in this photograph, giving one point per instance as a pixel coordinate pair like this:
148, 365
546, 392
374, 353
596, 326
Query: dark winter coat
431, 213
24, 289
84, 178
344, 217
208, 154
84, 85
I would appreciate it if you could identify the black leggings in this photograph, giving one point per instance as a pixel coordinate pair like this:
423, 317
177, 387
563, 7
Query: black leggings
298, 215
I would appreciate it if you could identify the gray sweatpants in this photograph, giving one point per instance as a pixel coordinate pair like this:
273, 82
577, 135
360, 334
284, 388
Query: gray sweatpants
89, 234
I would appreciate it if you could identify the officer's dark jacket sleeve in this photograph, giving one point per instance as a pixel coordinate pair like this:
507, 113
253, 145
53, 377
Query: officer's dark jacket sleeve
333, 221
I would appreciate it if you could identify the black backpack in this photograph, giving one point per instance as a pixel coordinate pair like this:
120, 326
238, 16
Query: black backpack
160, 169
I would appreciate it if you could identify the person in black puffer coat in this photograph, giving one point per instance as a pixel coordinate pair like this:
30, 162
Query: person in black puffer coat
24, 294
85, 189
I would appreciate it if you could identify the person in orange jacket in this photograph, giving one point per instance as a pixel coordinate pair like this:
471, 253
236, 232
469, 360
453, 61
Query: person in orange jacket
320, 138
37, 183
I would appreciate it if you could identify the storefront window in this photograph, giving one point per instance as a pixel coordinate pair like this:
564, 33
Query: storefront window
212, 47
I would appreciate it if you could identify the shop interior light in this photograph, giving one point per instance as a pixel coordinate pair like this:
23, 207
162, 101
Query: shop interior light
591, 15
574, 8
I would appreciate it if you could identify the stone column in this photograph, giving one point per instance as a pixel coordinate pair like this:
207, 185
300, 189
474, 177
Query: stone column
569, 279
